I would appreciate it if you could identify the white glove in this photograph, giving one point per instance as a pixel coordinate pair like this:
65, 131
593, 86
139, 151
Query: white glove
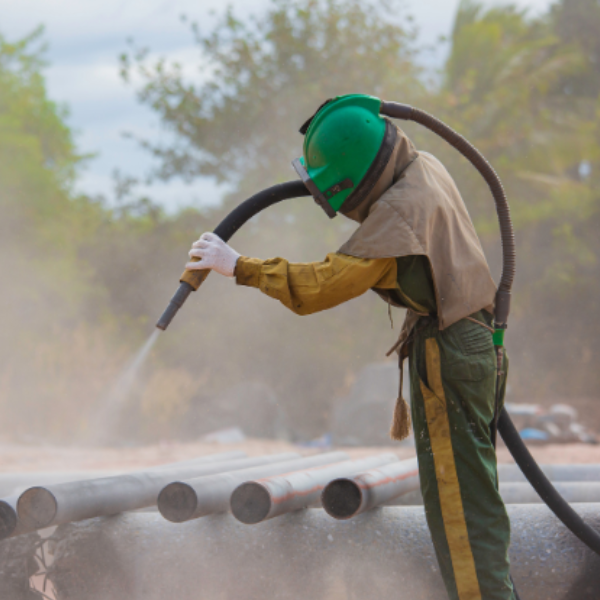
214, 254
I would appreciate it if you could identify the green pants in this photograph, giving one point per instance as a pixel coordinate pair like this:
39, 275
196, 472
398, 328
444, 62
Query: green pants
453, 377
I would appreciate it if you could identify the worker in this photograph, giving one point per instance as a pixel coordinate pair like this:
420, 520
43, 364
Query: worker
417, 248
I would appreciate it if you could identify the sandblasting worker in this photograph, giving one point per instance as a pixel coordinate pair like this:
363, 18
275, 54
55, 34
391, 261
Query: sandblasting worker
417, 248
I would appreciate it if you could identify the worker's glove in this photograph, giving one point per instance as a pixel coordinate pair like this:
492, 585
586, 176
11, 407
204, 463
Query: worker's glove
214, 254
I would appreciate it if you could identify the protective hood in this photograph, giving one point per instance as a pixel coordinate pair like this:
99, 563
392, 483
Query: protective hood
415, 208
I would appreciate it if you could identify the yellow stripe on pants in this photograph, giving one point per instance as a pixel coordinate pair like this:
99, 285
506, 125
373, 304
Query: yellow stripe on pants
453, 514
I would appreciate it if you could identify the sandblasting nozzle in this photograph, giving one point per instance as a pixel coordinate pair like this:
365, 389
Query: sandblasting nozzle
184, 290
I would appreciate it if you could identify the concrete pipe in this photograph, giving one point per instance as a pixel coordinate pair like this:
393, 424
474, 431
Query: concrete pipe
41, 507
512, 473
381, 554
182, 501
12, 487
347, 497
13, 484
9, 522
256, 501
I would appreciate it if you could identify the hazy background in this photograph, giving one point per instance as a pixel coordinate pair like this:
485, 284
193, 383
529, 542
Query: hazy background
85, 38
89, 259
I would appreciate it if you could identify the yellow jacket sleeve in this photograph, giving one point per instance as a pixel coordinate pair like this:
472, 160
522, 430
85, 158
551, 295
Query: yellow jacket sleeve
307, 288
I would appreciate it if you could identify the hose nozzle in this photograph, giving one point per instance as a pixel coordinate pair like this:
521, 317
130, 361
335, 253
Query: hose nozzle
184, 290
190, 281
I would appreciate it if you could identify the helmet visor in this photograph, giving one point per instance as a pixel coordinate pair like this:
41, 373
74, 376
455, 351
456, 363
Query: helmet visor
312, 188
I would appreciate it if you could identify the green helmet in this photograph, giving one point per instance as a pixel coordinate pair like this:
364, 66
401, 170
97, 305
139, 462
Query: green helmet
347, 145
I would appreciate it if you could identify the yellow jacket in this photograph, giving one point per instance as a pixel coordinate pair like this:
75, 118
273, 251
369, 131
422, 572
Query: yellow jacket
307, 288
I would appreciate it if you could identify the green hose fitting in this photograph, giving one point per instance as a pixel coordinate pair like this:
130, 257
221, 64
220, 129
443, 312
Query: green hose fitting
498, 337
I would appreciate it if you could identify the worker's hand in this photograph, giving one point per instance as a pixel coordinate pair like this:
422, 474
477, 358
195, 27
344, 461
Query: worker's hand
214, 254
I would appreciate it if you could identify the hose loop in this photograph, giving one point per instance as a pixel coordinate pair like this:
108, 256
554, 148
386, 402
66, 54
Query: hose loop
491, 177
403, 111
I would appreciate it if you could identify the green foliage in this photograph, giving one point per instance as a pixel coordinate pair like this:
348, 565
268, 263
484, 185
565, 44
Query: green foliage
577, 22
42, 222
37, 155
500, 89
262, 78
45, 341
509, 86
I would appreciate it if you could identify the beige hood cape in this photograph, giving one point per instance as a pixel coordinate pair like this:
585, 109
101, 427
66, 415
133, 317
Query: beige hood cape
415, 208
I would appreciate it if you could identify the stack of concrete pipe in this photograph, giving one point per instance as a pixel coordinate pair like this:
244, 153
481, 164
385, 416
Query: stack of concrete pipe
192, 489
60, 502
14, 485
142, 555
255, 489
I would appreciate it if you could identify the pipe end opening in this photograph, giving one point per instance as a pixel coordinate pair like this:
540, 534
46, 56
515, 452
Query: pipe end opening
37, 508
341, 498
177, 502
250, 503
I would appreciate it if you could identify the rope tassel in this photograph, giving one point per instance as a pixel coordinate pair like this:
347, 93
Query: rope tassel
401, 422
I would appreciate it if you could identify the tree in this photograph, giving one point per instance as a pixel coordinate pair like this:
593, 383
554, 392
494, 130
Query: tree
505, 86
263, 78
38, 162
577, 22
56, 355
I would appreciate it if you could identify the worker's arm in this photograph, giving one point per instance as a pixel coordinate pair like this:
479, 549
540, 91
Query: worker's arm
304, 288
307, 288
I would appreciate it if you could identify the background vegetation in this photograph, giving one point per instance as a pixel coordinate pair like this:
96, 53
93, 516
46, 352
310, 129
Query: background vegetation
85, 279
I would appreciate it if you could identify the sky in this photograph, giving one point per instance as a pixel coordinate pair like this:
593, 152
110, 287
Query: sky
85, 38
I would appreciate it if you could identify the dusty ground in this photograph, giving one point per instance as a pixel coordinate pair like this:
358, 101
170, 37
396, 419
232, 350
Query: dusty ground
23, 458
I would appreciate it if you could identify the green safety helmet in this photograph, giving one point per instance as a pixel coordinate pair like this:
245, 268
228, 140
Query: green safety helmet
347, 145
